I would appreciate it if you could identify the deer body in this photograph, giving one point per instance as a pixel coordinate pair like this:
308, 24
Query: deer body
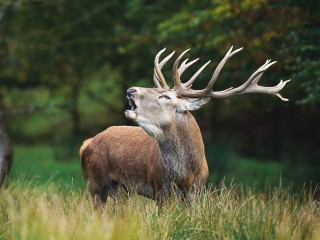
166, 152
128, 156
119, 155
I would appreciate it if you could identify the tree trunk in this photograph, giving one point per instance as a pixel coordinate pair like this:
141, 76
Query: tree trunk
5, 155
5, 145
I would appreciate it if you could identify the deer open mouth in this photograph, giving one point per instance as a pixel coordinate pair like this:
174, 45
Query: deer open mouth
132, 104
132, 112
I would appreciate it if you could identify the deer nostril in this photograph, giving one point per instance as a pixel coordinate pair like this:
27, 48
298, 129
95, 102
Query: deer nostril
130, 92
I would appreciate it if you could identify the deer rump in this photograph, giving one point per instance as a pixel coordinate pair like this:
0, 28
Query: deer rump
125, 156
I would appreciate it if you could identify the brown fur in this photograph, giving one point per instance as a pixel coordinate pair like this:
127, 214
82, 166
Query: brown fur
116, 156
127, 155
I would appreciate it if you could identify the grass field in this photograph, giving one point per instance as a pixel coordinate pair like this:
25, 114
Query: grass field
47, 199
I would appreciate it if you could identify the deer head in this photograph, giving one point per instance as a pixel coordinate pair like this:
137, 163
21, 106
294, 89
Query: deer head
157, 108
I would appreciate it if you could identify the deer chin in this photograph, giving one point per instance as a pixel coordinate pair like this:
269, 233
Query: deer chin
131, 114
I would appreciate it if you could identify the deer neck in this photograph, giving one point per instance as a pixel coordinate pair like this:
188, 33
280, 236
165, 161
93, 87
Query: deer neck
182, 148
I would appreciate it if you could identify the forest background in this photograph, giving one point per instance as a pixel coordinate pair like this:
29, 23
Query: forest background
65, 67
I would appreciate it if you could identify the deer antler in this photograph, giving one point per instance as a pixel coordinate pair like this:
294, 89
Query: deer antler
250, 86
158, 77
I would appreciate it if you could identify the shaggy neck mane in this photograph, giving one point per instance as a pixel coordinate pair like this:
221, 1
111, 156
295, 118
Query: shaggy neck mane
182, 150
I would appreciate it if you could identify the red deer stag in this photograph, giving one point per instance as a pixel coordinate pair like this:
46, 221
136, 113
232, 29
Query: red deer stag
167, 149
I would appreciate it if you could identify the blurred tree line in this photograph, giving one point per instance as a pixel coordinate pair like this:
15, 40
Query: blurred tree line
65, 67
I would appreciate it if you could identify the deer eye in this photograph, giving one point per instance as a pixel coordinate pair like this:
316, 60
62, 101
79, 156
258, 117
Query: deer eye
165, 96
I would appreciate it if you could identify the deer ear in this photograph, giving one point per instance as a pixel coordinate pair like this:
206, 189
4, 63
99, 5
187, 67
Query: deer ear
191, 104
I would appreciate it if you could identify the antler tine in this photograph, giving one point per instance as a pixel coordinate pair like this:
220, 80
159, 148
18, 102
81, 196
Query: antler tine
158, 77
184, 65
175, 71
207, 92
255, 88
219, 68
189, 83
255, 77
251, 85
156, 81
165, 60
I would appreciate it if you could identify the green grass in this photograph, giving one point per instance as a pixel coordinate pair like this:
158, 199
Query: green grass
47, 199
250, 172
38, 165
258, 174
30, 212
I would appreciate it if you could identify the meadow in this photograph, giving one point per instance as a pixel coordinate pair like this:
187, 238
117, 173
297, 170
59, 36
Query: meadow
47, 199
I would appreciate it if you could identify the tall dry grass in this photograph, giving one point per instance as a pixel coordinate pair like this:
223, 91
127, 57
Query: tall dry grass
34, 212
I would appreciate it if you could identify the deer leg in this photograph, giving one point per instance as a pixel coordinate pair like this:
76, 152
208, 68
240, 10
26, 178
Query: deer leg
186, 197
114, 187
163, 193
111, 190
126, 189
182, 194
100, 192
